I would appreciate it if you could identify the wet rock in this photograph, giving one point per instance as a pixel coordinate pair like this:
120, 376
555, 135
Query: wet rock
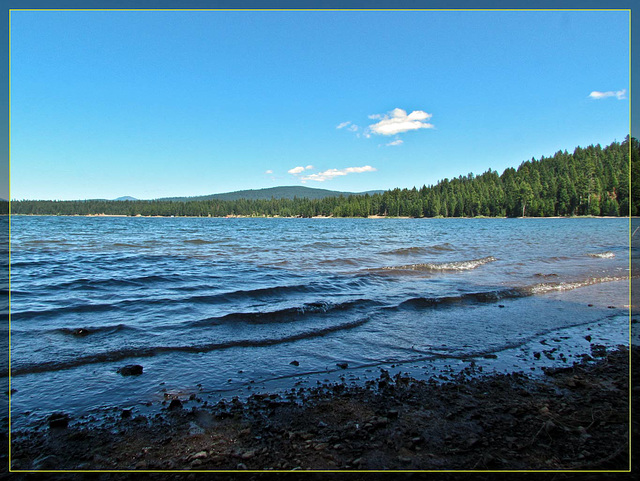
58, 420
81, 332
294, 363
175, 404
392, 414
125, 413
130, 370
342, 365
46, 462
536, 355
248, 455
490, 356
588, 338
200, 455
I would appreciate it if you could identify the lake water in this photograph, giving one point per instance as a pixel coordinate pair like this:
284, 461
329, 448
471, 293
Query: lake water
217, 306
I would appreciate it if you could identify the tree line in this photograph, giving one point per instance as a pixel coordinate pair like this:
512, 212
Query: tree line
590, 181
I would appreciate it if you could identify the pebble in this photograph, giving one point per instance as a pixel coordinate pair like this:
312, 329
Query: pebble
294, 363
58, 420
248, 455
130, 370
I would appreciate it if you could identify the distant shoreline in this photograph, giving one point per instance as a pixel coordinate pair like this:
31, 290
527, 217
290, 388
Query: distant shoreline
315, 217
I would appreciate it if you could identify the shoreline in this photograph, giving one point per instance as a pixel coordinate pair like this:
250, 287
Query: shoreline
313, 217
573, 418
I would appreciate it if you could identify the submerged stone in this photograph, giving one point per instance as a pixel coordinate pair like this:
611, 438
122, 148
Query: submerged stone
130, 370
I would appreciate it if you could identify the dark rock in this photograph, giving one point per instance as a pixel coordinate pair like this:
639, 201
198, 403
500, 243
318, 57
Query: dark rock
175, 404
81, 332
126, 413
588, 338
500, 305
46, 462
342, 365
536, 355
589, 305
294, 363
392, 414
490, 356
130, 370
58, 420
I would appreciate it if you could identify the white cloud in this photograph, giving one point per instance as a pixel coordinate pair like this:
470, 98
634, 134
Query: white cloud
331, 173
343, 125
395, 142
268, 171
299, 169
353, 128
397, 121
620, 94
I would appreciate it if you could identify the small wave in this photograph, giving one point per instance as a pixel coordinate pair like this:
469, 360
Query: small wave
473, 297
121, 354
288, 314
338, 262
441, 247
199, 241
567, 286
602, 255
405, 251
252, 293
45, 241
86, 331
80, 308
125, 244
445, 266
506, 293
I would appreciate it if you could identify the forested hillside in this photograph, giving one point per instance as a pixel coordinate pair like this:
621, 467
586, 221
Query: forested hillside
589, 181
285, 192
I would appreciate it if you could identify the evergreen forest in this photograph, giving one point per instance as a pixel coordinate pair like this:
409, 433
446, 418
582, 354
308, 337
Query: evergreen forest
590, 181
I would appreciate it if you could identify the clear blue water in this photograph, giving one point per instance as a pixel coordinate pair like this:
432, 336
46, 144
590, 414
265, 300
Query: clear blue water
216, 304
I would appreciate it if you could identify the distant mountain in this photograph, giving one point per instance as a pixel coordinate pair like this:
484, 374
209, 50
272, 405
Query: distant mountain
285, 192
126, 197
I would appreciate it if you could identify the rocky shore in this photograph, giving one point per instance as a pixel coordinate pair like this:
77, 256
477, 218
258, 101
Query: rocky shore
574, 418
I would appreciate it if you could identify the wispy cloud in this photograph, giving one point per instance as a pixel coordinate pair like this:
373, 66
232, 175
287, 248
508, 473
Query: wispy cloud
620, 94
268, 171
395, 142
331, 173
350, 126
398, 121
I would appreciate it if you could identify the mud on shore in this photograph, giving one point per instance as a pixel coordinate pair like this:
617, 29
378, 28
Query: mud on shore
574, 418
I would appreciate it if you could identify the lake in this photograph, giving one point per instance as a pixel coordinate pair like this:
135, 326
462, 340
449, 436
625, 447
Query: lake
222, 307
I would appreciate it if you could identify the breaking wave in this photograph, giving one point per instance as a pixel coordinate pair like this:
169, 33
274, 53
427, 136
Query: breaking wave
444, 266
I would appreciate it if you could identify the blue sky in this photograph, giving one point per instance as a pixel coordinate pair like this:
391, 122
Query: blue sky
155, 104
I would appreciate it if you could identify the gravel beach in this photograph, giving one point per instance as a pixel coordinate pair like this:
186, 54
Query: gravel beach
573, 418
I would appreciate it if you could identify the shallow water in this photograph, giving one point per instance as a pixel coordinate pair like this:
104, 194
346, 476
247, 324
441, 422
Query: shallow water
214, 305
